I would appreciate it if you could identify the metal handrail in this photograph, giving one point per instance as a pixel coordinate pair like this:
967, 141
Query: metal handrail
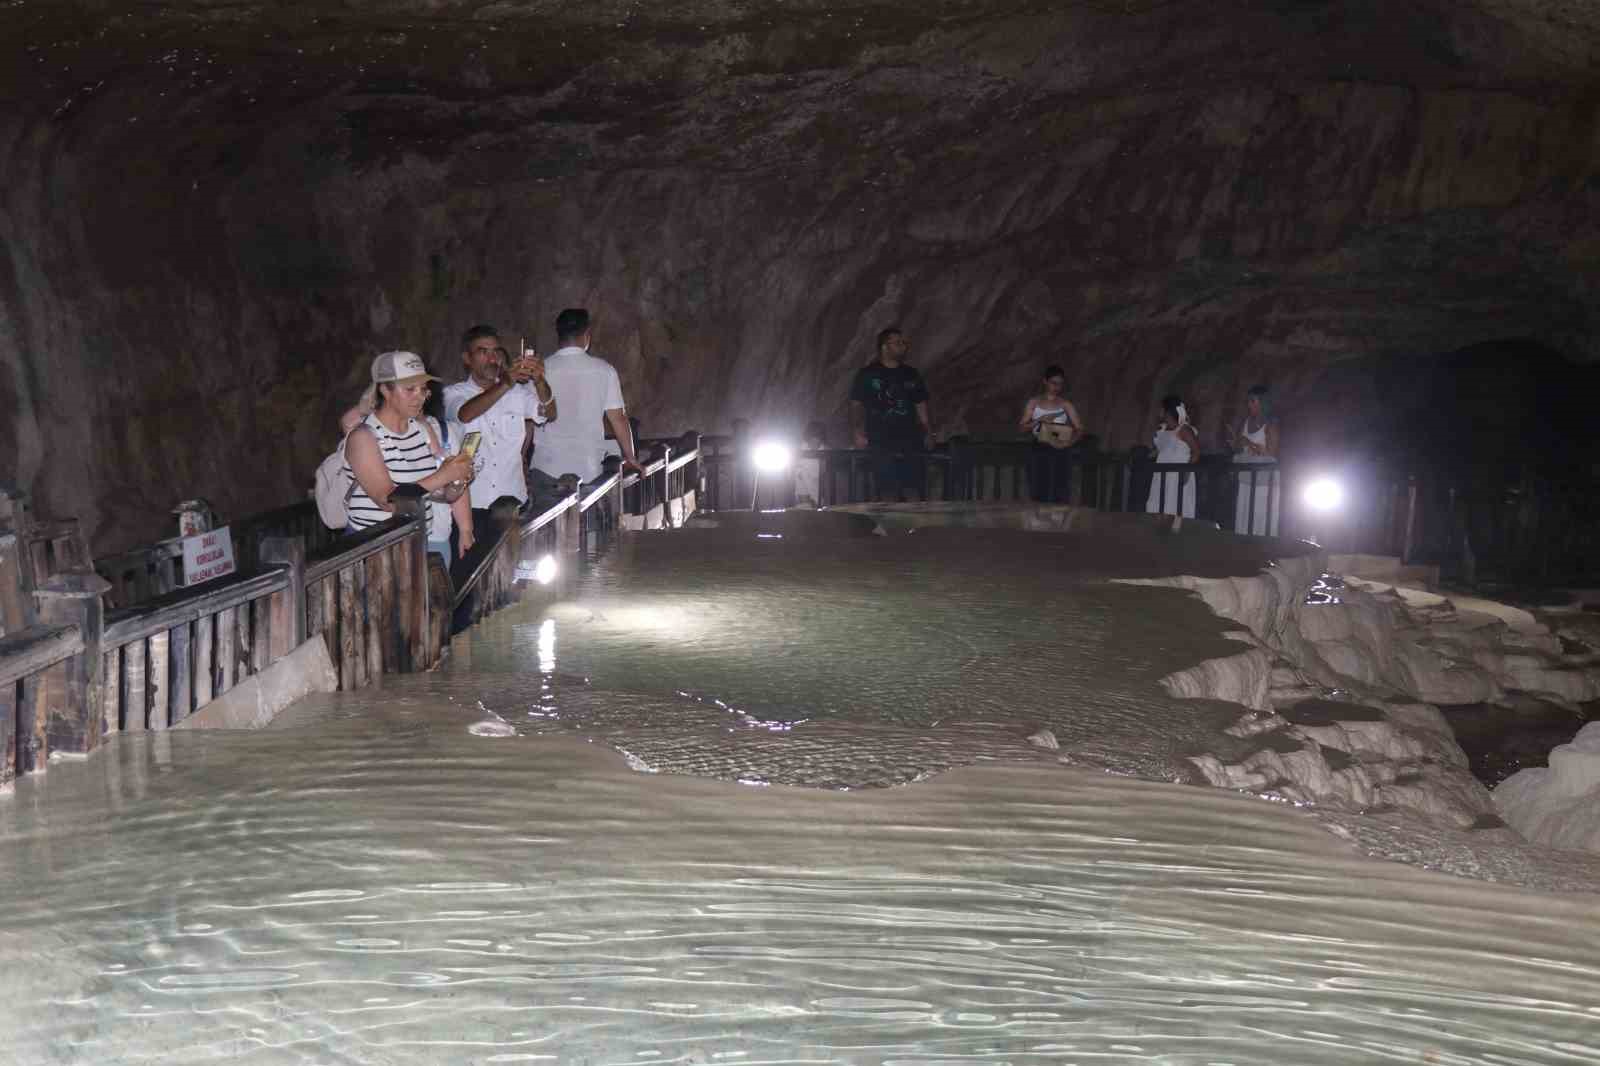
683, 460
599, 491
544, 518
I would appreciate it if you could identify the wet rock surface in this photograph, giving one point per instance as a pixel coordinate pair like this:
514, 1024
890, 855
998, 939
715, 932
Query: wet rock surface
1344, 687
246, 200
1559, 804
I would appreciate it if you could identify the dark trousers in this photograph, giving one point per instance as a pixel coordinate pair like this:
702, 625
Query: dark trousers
485, 535
1050, 474
898, 467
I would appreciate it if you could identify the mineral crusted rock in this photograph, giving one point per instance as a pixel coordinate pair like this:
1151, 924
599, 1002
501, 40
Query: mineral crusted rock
1391, 654
1558, 805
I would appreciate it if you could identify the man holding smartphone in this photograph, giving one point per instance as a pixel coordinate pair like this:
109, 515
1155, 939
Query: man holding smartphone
500, 402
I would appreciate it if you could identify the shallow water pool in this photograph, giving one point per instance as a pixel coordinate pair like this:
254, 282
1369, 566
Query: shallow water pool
372, 882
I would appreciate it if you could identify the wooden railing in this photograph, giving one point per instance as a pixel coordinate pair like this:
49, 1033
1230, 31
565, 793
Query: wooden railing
75, 669
50, 621
171, 656
145, 573
378, 601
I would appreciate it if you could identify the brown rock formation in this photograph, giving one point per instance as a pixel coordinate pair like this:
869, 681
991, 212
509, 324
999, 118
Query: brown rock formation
214, 213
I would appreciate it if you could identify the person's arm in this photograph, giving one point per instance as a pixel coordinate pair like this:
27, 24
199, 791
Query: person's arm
858, 409
461, 510
1025, 420
617, 419
544, 394
366, 463
479, 405
1187, 434
1077, 433
1271, 449
921, 399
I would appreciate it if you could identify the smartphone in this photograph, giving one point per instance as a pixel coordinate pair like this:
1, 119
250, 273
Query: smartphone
469, 444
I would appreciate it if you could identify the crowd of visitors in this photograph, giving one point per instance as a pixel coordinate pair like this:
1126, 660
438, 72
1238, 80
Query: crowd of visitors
889, 416
509, 432
524, 427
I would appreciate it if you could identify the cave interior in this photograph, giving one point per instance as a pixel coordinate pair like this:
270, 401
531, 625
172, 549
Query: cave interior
214, 212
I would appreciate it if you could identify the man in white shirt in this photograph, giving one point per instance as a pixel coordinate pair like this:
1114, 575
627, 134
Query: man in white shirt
591, 399
503, 403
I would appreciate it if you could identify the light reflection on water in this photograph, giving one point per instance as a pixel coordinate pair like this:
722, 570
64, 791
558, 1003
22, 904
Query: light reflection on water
370, 883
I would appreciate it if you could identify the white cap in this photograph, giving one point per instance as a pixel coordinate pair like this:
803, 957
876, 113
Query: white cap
400, 367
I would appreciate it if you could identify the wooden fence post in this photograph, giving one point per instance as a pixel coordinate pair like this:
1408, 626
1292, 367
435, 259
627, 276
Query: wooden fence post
290, 552
16, 562
73, 721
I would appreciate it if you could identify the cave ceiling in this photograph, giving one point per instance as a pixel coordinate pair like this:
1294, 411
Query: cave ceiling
1159, 195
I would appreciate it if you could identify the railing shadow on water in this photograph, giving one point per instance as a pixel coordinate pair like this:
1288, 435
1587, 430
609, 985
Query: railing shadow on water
85, 656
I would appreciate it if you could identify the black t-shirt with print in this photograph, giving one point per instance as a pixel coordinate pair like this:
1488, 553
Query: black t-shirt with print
890, 396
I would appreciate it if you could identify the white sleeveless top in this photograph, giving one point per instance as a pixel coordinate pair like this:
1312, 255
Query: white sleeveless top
409, 457
1258, 437
1054, 415
1170, 447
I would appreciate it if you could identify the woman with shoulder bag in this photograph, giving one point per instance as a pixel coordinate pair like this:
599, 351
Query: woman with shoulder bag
394, 445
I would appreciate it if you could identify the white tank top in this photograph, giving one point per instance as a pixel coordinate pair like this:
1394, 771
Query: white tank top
409, 457
1170, 447
1258, 437
1054, 415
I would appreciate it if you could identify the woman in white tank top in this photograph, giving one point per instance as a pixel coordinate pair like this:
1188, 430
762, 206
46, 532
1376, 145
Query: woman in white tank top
1256, 512
393, 446
1055, 425
1052, 406
1172, 491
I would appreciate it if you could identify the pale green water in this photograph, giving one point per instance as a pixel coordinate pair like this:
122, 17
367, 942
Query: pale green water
372, 883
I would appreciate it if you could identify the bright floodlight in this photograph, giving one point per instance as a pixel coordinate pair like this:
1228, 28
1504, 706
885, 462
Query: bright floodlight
771, 457
544, 571
1324, 494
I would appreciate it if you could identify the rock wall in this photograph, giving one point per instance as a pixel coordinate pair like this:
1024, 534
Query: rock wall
212, 216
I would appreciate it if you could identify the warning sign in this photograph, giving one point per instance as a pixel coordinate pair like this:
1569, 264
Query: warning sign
207, 556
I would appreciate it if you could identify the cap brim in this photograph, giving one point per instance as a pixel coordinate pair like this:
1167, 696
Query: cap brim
415, 379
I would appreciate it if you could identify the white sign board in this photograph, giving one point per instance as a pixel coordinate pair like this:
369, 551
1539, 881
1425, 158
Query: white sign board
207, 556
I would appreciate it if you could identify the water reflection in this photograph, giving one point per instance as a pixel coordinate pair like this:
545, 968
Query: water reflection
547, 648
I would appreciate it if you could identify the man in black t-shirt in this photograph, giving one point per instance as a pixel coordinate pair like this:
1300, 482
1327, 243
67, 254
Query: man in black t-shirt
889, 414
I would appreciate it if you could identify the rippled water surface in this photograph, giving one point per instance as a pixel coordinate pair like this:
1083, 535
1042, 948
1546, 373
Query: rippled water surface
372, 881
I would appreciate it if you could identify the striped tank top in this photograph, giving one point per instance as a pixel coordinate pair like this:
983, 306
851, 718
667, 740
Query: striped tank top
409, 457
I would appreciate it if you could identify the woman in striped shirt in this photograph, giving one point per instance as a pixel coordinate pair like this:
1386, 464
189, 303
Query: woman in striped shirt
394, 446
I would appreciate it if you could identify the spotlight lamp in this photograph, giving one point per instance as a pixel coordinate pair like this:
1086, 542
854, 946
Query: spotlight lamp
543, 571
1323, 494
771, 457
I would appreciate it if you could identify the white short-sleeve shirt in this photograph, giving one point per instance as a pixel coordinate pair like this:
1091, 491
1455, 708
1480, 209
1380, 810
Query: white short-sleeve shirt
585, 388
498, 462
